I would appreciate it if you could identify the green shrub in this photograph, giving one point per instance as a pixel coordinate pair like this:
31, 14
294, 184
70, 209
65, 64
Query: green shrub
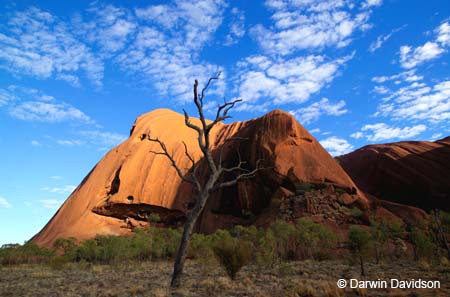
201, 250
423, 244
154, 218
155, 243
359, 241
249, 233
300, 188
356, 212
384, 229
340, 190
284, 234
12, 254
58, 262
314, 240
232, 254
266, 255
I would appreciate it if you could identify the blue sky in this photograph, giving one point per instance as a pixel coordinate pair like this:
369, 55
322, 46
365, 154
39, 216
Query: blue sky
74, 77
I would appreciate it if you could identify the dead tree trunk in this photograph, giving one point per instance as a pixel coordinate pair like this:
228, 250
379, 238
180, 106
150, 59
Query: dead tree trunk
214, 170
441, 231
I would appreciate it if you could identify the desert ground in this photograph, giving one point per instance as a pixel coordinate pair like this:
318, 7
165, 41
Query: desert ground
301, 278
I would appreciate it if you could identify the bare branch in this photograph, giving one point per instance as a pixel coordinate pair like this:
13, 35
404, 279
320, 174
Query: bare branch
193, 169
238, 167
188, 123
222, 113
241, 176
188, 155
223, 146
207, 85
170, 157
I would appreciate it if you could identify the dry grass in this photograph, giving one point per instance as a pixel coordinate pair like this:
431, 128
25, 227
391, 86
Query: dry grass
306, 278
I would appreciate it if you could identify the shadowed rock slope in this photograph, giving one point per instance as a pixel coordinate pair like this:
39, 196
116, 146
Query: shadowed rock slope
415, 173
130, 183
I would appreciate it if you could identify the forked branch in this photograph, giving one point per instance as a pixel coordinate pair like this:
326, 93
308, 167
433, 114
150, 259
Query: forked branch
246, 174
169, 156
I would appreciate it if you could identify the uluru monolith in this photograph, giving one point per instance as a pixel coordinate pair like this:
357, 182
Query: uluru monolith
130, 183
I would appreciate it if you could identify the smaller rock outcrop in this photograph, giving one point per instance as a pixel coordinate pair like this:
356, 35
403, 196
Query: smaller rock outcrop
415, 173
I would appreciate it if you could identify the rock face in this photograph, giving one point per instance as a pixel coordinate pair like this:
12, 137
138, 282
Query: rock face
415, 173
130, 183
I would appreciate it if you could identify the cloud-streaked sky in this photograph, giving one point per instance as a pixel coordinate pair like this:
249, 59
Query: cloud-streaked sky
73, 77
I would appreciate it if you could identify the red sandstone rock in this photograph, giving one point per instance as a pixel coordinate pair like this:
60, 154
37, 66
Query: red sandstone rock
415, 173
130, 183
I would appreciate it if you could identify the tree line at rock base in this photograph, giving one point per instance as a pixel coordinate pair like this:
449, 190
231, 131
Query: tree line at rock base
384, 240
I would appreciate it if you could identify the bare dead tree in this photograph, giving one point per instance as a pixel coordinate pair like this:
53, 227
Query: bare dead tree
215, 170
441, 234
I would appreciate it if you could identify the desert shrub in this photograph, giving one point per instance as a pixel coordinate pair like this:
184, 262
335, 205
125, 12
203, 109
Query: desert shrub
301, 188
340, 191
101, 249
384, 229
201, 250
313, 240
444, 218
155, 243
424, 245
140, 245
58, 262
284, 239
232, 253
154, 218
66, 247
266, 255
165, 242
356, 212
359, 242
28, 253
249, 233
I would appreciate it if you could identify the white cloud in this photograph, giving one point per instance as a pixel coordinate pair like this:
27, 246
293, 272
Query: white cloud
236, 27
4, 203
314, 111
73, 142
39, 44
443, 34
411, 57
67, 189
35, 143
30, 104
103, 138
409, 76
281, 81
436, 136
48, 112
336, 146
110, 28
261, 108
377, 44
381, 90
418, 101
371, 3
6, 97
357, 135
50, 203
309, 24
166, 50
55, 177
382, 131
